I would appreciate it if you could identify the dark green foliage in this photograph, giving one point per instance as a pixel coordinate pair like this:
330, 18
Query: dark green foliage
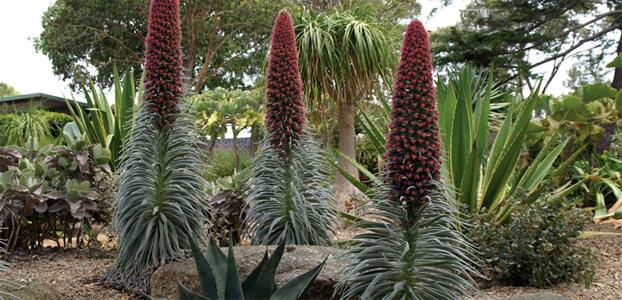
507, 33
79, 37
221, 163
537, 247
291, 199
219, 278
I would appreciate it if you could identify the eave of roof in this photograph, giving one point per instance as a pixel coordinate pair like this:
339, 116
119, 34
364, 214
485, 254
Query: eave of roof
35, 96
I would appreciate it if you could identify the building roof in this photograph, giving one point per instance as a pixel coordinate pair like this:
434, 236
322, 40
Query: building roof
48, 102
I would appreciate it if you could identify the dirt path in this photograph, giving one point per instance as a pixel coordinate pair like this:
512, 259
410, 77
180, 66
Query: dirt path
72, 274
68, 274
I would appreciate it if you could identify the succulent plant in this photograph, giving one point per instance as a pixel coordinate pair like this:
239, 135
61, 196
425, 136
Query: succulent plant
41, 189
413, 155
219, 277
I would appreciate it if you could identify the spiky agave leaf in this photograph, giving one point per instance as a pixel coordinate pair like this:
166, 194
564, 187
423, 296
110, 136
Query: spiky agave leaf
397, 259
161, 203
291, 198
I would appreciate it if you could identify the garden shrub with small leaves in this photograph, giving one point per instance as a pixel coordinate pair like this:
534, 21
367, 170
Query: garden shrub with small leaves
536, 247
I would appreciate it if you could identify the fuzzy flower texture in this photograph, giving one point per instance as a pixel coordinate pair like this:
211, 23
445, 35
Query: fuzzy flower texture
284, 104
163, 64
413, 149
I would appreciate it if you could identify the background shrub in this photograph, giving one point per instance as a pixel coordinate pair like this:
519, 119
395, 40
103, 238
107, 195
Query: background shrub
45, 126
221, 163
537, 247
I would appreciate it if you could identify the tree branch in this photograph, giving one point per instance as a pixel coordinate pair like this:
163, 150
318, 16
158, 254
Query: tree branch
567, 51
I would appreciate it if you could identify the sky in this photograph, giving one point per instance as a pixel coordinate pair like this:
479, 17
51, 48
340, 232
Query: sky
20, 65
31, 72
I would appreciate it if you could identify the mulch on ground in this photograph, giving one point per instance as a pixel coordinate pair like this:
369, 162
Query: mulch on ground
73, 274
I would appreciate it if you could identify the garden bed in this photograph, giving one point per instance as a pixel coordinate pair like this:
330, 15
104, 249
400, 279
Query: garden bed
73, 274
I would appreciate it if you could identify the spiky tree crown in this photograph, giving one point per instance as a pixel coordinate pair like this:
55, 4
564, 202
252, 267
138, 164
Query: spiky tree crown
284, 106
413, 150
163, 64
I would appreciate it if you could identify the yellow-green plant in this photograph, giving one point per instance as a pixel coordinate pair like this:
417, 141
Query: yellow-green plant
220, 109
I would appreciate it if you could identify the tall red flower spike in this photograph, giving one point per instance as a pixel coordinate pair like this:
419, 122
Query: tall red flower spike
413, 146
163, 64
284, 105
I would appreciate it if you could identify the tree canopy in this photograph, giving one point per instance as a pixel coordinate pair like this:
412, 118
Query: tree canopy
7, 90
516, 36
224, 41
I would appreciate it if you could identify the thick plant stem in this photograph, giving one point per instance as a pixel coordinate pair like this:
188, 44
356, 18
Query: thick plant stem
347, 146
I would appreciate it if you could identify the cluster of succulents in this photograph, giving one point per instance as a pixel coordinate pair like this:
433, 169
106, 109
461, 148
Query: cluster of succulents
46, 191
161, 198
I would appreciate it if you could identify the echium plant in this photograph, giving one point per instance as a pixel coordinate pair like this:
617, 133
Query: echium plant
413, 155
289, 195
5, 282
160, 201
284, 105
412, 247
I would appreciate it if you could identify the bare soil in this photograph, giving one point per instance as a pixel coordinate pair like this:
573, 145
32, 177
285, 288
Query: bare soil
73, 274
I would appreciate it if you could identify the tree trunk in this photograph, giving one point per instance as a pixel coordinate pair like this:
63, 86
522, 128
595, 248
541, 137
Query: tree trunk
616, 83
202, 76
236, 147
191, 48
254, 140
347, 145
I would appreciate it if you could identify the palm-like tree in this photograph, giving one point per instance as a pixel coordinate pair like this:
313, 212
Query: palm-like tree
344, 57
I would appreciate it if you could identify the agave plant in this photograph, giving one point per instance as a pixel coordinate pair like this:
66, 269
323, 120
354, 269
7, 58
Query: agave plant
412, 247
219, 277
289, 195
160, 202
106, 125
